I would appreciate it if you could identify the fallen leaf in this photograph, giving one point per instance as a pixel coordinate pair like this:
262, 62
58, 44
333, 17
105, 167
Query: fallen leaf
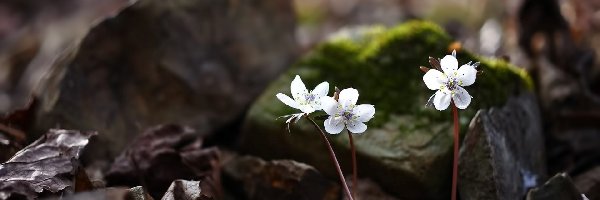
163, 154
47, 166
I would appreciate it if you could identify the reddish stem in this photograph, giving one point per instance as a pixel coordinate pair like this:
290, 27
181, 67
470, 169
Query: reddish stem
455, 162
334, 159
354, 168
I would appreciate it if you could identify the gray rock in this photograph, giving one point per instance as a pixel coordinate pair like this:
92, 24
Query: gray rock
559, 187
502, 155
193, 62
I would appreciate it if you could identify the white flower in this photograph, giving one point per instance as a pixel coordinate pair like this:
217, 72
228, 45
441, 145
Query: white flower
450, 83
305, 101
345, 112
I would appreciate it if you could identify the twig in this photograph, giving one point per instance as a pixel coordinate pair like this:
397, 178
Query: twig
333, 158
455, 162
354, 168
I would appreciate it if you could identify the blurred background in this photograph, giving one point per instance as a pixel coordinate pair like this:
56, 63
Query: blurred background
112, 65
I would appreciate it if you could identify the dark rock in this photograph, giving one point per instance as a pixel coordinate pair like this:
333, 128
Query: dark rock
367, 189
100, 194
8, 147
81, 181
589, 183
163, 154
559, 187
279, 179
47, 166
11, 141
182, 189
502, 155
13, 126
112, 193
198, 63
406, 145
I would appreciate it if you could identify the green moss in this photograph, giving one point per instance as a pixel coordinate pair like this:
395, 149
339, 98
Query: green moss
385, 70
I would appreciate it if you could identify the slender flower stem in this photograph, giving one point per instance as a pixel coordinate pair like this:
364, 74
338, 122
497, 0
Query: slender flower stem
333, 158
354, 168
455, 163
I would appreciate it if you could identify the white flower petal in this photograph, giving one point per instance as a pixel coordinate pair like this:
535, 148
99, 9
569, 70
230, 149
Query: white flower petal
466, 75
307, 109
461, 98
298, 88
333, 126
321, 90
441, 100
329, 105
356, 127
287, 100
434, 79
449, 64
363, 112
348, 97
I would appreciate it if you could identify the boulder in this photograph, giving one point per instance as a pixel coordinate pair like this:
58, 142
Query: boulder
407, 148
502, 155
193, 62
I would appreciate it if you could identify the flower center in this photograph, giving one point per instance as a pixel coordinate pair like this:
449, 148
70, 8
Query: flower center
452, 83
309, 97
347, 115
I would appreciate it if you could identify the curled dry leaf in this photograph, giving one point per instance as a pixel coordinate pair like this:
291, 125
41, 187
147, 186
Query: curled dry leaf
47, 166
163, 154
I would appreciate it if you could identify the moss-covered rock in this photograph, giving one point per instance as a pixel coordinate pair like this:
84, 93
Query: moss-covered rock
407, 148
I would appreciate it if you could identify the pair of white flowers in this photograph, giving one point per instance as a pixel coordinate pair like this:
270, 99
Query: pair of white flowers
343, 113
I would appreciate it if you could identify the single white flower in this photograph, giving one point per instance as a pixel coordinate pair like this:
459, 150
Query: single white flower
345, 112
303, 100
450, 83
